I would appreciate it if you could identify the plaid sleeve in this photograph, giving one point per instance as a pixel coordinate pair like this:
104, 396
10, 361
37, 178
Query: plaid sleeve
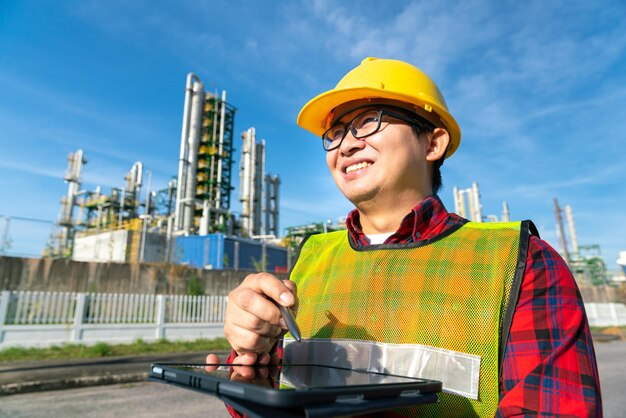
231, 411
549, 366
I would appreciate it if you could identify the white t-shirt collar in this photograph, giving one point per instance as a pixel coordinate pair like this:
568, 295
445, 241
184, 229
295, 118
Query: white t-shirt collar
378, 238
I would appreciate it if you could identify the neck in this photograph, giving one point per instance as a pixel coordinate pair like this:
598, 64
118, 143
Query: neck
384, 217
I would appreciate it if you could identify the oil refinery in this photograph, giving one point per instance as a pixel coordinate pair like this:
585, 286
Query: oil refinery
585, 261
190, 221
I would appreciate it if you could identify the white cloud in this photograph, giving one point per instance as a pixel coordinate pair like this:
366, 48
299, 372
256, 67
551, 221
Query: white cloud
25, 166
527, 81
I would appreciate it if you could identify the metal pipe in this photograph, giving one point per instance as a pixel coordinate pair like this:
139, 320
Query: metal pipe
168, 239
75, 165
271, 204
276, 214
195, 130
268, 204
218, 194
123, 198
245, 178
214, 137
259, 179
204, 221
148, 193
135, 181
139, 174
182, 161
145, 220
264, 236
171, 188
5, 234
252, 186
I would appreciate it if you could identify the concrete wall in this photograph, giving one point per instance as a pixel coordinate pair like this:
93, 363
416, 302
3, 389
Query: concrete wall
603, 294
74, 276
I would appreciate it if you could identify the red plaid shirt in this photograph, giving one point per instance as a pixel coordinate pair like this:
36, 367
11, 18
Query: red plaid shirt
549, 366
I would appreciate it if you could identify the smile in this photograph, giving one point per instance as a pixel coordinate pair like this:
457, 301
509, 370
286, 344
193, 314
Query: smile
358, 166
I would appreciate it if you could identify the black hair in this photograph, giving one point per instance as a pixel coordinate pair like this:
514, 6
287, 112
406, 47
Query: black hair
437, 182
421, 127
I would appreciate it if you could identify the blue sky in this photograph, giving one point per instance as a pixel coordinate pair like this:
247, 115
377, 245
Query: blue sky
538, 89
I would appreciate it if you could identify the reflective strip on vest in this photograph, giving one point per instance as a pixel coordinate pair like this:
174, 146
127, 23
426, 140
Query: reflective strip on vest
460, 372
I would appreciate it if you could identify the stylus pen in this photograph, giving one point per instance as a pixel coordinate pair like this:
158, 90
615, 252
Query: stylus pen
291, 322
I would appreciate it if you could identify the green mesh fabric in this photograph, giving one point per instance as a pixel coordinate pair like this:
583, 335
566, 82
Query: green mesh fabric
450, 293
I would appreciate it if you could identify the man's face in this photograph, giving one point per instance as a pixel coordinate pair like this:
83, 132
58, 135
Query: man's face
389, 164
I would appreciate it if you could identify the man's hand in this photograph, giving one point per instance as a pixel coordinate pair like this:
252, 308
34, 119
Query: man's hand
253, 322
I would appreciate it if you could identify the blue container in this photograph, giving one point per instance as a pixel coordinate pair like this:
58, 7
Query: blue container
276, 259
215, 251
250, 255
201, 251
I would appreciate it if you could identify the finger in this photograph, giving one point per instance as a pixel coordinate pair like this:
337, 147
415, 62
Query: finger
245, 341
291, 286
294, 290
270, 286
263, 358
243, 373
246, 371
247, 359
260, 316
212, 362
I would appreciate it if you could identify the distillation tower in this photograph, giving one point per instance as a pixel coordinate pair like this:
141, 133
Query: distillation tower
585, 261
467, 204
258, 191
204, 170
65, 236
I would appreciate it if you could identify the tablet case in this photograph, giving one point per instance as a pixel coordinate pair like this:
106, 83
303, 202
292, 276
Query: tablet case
310, 402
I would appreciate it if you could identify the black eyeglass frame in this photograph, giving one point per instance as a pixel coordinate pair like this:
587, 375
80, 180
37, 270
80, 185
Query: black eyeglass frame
421, 124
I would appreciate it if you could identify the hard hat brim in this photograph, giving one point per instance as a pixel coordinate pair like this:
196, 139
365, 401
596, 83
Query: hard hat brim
314, 116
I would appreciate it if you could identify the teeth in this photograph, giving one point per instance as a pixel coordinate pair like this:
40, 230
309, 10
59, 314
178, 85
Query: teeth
357, 166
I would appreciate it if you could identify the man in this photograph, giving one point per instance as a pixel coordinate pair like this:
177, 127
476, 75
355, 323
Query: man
489, 309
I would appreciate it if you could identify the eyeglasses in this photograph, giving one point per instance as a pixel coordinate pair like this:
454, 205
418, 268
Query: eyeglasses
366, 124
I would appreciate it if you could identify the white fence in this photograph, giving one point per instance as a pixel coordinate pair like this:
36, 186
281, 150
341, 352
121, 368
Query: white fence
606, 314
42, 319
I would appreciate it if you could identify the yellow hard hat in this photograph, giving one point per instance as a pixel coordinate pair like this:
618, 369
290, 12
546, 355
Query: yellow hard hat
386, 79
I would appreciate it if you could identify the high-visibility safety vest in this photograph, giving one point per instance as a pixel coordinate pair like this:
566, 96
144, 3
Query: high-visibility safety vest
438, 309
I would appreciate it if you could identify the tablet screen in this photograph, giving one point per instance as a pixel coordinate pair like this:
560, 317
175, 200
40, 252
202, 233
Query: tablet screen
299, 376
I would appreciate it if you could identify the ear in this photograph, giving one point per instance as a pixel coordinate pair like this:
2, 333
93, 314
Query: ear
438, 142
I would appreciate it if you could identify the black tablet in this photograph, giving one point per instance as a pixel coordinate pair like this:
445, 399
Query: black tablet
297, 385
